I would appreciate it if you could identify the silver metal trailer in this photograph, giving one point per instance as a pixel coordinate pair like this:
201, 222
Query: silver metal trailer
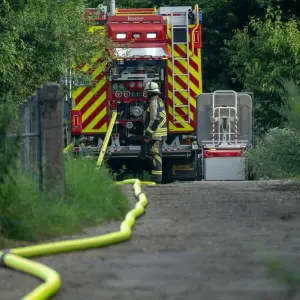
224, 132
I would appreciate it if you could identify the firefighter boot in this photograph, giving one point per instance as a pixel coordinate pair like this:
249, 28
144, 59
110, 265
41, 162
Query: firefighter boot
156, 161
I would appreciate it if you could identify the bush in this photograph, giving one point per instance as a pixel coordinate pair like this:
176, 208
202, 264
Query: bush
277, 154
91, 197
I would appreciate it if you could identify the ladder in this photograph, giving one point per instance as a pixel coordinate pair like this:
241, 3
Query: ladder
186, 59
225, 114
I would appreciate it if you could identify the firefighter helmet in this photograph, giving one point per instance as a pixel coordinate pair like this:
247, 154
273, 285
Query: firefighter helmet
152, 87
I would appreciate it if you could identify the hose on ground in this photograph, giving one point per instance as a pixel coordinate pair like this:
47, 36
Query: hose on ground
17, 258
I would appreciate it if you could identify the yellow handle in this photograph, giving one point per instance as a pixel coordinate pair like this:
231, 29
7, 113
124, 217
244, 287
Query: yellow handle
194, 29
106, 139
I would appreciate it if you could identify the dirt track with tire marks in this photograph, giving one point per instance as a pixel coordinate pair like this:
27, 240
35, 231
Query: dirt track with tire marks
199, 240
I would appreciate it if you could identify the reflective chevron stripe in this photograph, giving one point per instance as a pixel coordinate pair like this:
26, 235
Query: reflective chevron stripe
92, 100
195, 79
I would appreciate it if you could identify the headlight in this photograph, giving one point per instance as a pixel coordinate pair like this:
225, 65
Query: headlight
151, 35
121, 35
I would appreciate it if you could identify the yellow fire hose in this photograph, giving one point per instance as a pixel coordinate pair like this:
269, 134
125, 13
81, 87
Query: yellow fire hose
16, 258
68, 148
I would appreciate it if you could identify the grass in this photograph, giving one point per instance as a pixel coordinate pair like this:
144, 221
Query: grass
284, 273
91, 198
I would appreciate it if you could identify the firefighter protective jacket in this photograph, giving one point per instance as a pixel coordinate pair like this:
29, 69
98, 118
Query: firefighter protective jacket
155, 119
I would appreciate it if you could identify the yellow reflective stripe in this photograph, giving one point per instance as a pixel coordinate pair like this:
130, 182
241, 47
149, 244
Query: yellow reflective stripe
154, 148
156, 172
159, 135
149, 129
163, 122
158, 158
160, 126
161, 129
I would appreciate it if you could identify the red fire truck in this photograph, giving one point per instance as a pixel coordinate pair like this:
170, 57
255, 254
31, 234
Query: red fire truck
161, 45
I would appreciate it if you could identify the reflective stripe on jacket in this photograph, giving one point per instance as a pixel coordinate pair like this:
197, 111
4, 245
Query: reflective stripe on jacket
155, 119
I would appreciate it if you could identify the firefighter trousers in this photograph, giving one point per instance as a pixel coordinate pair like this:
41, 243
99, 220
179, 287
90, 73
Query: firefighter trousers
155, 159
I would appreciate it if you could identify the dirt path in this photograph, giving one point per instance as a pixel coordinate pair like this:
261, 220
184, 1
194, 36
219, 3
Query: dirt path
196, 241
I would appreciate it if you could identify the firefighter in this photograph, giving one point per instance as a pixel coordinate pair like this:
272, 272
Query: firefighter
155, 129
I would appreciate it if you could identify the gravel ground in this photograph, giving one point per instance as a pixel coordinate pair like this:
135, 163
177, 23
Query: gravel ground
200, 240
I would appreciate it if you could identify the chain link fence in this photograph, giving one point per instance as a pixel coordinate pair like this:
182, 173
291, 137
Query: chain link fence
29, 128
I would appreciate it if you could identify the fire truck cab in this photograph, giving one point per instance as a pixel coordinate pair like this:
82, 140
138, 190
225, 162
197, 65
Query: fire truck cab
161, 45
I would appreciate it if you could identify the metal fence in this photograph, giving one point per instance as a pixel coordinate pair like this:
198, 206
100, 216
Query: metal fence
39, 126
29, 127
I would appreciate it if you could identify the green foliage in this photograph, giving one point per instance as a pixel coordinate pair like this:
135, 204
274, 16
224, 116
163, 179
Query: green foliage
39, 40
284, 273
9, 147
276, 155
29, 216
272, 52
91, 198
290, 111
261, 54
90, 190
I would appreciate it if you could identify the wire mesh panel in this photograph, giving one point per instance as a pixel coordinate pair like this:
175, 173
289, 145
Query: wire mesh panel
27, 126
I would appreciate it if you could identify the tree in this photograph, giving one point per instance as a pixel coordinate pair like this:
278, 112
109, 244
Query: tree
39, 39
9, 146
260, 55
